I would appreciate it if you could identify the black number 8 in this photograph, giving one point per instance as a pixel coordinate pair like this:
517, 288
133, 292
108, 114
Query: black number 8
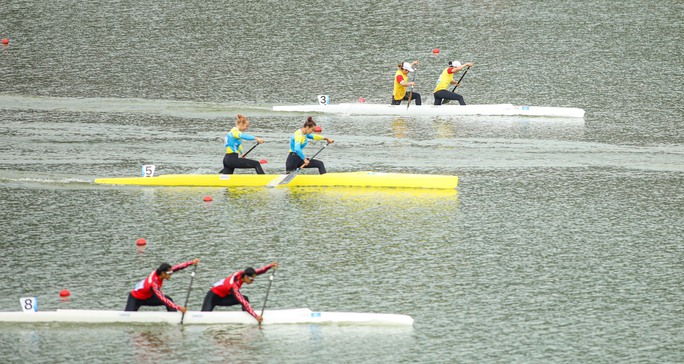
28, 304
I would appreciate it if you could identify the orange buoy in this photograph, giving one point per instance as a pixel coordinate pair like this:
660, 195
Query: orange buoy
5, 41
64, 293
207, 199
318, 129
435, 51
140, 242
263, 161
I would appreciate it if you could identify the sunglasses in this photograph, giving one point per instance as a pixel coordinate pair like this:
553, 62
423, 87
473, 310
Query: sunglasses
169, 273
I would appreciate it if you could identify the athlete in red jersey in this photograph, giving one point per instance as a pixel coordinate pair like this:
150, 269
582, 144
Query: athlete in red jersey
226, 292
148, 291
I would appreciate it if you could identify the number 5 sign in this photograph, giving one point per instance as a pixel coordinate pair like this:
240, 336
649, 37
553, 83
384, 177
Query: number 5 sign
148, 170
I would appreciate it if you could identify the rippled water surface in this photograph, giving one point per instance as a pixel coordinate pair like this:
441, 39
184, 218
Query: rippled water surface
563, 242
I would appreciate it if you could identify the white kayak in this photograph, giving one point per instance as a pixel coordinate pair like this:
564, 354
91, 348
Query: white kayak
451, 109
271, 317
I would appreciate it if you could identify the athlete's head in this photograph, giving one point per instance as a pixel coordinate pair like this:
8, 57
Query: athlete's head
309, 125
406, 67
164, 268
248, 275
242, 122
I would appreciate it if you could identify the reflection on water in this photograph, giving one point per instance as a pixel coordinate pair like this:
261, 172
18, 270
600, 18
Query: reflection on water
153, 345
386, 195
399, 127
234, 341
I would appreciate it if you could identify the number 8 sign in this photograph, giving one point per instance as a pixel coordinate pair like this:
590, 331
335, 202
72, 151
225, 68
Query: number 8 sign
29, 304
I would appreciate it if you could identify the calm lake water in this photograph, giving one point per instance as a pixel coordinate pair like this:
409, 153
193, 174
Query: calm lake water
563, 243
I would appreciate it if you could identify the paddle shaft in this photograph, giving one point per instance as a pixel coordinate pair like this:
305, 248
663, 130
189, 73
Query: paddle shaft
459, 80
456, 85
411, 93
314, 156
294, 173
268, 290
250, 149
187, 298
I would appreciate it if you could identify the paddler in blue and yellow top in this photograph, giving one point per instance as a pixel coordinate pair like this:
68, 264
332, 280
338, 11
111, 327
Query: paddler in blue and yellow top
298, 141
446, 79
233, 145
401, 82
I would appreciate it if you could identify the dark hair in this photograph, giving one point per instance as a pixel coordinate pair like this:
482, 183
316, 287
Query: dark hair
249, 271
309, 122
400, 65
163, 268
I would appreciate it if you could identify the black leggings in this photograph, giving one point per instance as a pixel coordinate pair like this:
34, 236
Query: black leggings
448, 95
293, 162
416, 96
134, 304
232, 161
212, 300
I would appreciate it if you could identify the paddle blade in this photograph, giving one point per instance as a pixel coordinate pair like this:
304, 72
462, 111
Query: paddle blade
276, 181
288, 178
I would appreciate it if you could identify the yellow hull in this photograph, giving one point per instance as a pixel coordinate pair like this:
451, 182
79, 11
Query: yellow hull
351, 179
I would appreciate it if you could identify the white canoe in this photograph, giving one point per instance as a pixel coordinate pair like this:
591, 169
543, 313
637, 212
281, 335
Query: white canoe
450, 109
271, 317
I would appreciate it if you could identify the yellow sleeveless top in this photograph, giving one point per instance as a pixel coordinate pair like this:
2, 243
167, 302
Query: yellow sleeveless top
444, 80
399, 91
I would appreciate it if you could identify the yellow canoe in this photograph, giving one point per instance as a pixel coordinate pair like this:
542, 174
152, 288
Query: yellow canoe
348, 179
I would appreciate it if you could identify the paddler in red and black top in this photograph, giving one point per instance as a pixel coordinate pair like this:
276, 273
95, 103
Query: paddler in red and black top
148, 291
226, 292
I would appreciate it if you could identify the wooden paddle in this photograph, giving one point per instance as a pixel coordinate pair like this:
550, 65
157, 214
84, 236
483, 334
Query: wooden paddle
187, 298
456, 85
293, 174
270, 281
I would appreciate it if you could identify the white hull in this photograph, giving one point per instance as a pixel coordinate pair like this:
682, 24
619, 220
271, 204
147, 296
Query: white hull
450, 109
271, 317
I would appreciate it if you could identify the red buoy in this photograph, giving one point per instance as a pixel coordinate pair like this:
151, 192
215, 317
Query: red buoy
5, 41
64, 293
207, 199
361, 99
435, 51
263, 161
140, 242
318, 129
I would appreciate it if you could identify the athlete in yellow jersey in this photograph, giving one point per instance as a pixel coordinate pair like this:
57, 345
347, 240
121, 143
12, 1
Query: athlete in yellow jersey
401, 82
233, 144
298, 141
446, 79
